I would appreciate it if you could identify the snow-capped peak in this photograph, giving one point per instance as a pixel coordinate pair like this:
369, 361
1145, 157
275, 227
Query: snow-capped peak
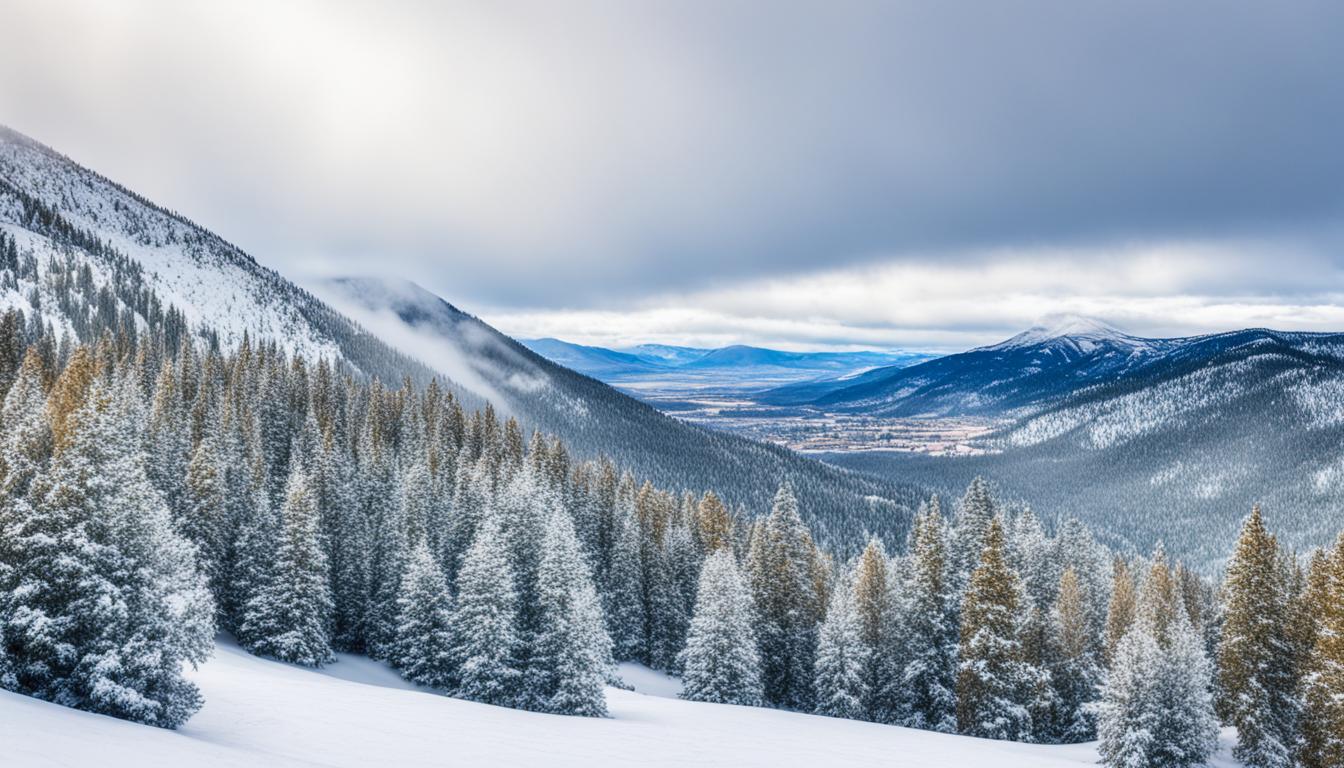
1080, 331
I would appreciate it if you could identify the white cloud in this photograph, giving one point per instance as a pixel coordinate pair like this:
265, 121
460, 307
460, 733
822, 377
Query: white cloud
1165, 289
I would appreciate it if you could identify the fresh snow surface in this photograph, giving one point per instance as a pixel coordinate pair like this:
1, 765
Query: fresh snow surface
358, 713
649, 682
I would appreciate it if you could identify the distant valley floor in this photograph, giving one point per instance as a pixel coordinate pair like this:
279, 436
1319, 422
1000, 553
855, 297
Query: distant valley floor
808, 429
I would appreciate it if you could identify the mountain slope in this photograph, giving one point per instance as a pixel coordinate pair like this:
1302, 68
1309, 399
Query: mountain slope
47, 201
95, 257
1178, 449
1038, 364
359, 713
598, 420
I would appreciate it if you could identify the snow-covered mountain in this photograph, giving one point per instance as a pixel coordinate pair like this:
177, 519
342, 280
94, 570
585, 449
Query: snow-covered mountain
68, 218
1171, 441
96, 256
596, 419
357, 712
1030, 370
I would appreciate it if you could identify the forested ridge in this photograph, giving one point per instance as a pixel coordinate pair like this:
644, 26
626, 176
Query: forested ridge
152, 495
162, 479
90, 256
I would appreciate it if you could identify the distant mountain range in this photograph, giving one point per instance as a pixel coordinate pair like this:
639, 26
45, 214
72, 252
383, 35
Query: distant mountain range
1147, 439
1038, 364
736, 366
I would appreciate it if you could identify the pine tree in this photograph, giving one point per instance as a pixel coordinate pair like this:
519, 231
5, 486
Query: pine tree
872, 598
25, 446
1041, 656
1256, 686
713, 525
572, 656
255, 550
1120, 614
204, 511
1323, 683
168, 440
720, 663
1156, 709
424, 641
387, 556
972, 526
485, 632
288, 620
25, 443
930, 673
1078, 675
1127, 715
137, 673
667, 615
1186, 732
781, 563
990, 675
842, 657
107, 604
625, 608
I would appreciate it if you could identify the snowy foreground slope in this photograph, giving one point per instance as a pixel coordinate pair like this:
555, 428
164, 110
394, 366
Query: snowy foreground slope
358, 713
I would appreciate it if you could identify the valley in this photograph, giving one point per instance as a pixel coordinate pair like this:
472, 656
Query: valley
814, 430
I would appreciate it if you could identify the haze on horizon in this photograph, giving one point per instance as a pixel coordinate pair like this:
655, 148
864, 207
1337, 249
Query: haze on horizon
805, 176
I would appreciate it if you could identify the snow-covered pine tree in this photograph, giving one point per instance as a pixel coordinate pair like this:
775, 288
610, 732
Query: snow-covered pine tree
991, 681
25, 447
1032, 554
349, 542
571, 660
254, 554
974, 515
930, 672
667, 620
842, 656
1186, 729
1127, 713
1079, 672
288, 619
485, 632
872, 601
107, 603
1323, 684
720, 663
168, 440
387, 556
624, 595
1254, 660
136, 672
782, 564
204, 520
424, 640
1039, 636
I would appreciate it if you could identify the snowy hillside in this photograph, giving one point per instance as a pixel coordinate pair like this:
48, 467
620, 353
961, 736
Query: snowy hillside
596, 419
65, 217
94, 257
359, 713
1177, 451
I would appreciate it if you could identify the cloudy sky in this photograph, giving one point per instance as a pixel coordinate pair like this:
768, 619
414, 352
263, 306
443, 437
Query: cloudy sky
806, 175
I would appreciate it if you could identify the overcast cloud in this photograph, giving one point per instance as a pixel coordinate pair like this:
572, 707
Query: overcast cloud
803, 174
